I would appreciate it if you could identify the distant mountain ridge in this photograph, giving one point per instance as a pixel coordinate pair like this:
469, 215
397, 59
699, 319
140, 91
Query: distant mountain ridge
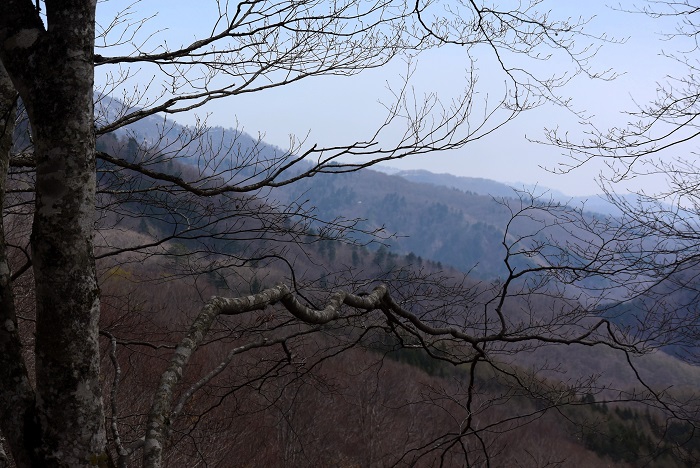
480, 186
439, 217
476, 185
158, 130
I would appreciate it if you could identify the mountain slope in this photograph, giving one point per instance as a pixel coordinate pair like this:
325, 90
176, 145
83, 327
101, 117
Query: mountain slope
452, 226
592, 203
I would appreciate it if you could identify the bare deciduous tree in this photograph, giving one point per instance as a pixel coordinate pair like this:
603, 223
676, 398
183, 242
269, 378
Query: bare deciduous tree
650, 250
657, 146
52, 411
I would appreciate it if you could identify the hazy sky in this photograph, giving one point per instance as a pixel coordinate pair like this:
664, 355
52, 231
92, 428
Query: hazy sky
335, 110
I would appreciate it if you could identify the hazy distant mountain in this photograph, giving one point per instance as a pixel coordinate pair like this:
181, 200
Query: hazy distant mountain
454, 220
458, 228
439, 217
477, 185
230, 146
474, 185
235, 146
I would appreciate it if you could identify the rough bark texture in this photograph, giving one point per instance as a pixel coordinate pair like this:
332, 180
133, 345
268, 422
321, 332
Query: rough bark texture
17, 410
53, 69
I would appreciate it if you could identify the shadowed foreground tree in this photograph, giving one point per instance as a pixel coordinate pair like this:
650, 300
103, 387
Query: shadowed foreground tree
52, 411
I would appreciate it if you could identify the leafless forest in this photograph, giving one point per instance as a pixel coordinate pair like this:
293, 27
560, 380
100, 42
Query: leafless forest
192, 296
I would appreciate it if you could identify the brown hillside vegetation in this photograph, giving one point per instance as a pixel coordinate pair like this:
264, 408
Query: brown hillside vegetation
311, 404
323, 400
192, 296
266, 390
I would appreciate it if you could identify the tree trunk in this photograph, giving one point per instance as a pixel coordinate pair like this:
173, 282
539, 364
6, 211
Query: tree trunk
53, 71
17, 410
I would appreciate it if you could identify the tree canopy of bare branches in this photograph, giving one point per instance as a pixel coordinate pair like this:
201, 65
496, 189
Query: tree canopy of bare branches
52, 405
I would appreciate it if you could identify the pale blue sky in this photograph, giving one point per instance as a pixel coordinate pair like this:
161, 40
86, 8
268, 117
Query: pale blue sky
340, 110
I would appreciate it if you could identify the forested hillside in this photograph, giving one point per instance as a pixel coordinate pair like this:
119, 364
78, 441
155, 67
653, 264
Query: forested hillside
192, 296
594, 204
441, 249
419, 221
